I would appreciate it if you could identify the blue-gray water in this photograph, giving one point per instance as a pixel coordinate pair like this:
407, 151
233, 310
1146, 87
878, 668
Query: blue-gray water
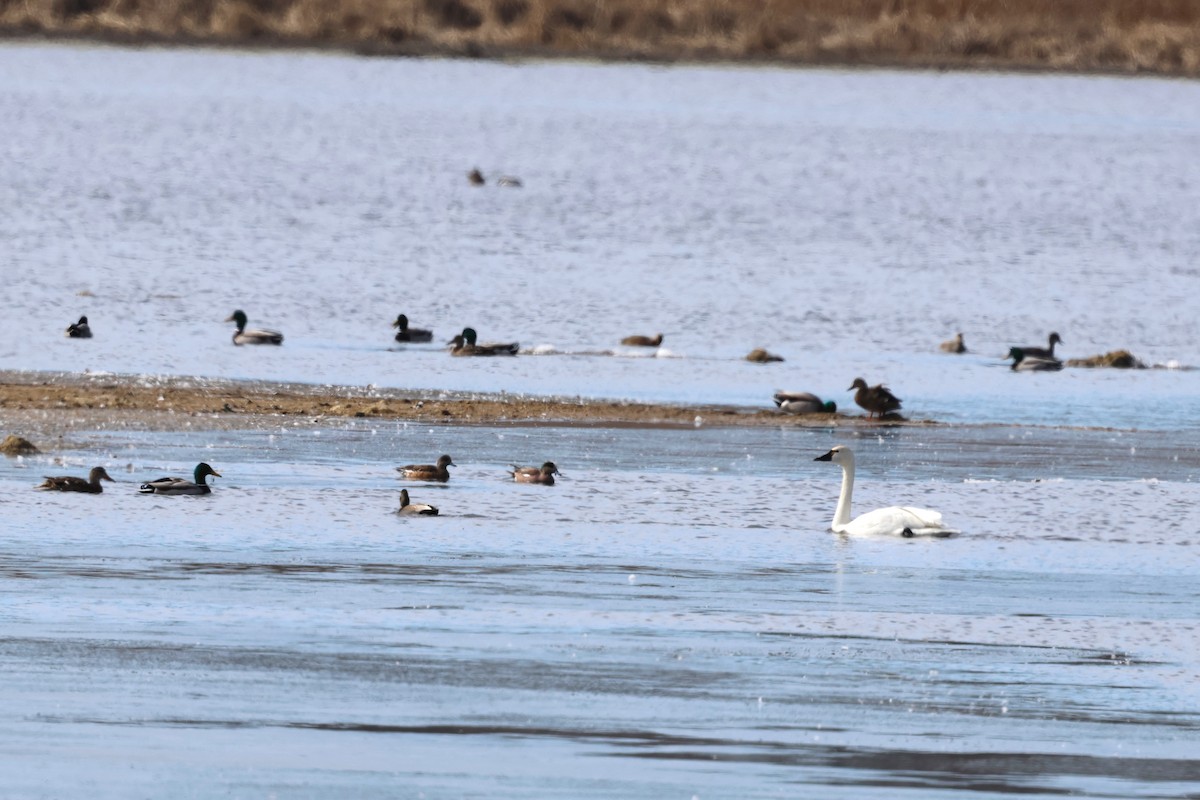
674, 618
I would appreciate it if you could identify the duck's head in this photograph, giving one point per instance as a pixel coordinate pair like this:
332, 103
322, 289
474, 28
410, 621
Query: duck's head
549, 469
829, 407
469, 336
82, 321
859, 383
838, 454
476, 177
1055, 339
203, 470
445, 461
99, 474
239, 317
404, 498
401, 323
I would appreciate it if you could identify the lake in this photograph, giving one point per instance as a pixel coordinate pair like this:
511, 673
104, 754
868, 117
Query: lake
674, 618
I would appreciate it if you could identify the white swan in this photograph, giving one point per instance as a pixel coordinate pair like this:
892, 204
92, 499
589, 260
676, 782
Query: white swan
890, 521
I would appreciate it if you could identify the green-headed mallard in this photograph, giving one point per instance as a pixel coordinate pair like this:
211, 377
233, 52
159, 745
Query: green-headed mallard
643, 341
1040, 352
69, 483
877, 400
543, 474
180, 485
803, 403
253, 335
465, 344
418, 509
954, 345
79, 330
428, 472
1023, 362
407, 334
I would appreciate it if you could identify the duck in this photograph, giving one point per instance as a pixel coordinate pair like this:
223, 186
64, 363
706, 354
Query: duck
475, 177
1023, 362
643, 341
803, 403
511, 181
875, 399
465, 344
80, 329
760, 356
416, 509
254, 335
1042, 352
904, 521
428, 472
543, 474
954, 345
180, 485
407, 334
69, 483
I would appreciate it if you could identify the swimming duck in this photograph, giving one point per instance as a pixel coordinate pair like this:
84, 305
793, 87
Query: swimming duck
1041, 352
69, 483
643, 341
79, 330
803, 403
954, 345
509, 180
407, 334
760, 356
543, 474
181, 486
254, 335
418, 509
428, 472
891, 521
1023, 362
875, 399
465, 345
475, 177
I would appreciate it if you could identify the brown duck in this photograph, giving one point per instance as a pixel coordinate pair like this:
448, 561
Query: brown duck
877, 400
69, 483
428, 472
954, 345
543, 474
643, 341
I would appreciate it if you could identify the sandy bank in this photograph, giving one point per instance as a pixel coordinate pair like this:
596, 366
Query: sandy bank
1156, 36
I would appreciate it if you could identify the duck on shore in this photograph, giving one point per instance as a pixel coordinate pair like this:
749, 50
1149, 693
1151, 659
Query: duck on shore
877, 400
803, 403
407, 334
428, 472
253, 335
69, 483
174, 486
80, 329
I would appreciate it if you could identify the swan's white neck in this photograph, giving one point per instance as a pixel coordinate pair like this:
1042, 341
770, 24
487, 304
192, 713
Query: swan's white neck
841, 517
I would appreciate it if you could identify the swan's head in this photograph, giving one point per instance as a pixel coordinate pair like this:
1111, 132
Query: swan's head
859, 383
1055, 339
838, 454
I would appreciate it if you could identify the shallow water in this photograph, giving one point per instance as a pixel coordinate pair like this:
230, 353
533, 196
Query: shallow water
674, 618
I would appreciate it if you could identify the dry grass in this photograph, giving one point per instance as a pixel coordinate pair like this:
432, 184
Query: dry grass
1160, 36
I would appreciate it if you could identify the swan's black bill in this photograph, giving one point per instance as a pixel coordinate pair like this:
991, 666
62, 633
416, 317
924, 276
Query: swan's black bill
827, 457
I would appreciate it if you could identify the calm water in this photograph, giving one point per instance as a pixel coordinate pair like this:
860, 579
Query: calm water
673, 619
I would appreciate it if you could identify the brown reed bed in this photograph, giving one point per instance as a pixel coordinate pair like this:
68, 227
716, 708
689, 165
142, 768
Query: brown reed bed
1156, 36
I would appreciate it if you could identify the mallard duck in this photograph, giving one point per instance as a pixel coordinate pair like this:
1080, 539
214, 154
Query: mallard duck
803, 403
1023, 362
428, 472
418, 509
877, 400
181, 486
79, 330
69, 483
643, 341
475, 178
1040, 352
407, 334
254, 335
543, 474
760, 356
891, 521
954, 345
465, 344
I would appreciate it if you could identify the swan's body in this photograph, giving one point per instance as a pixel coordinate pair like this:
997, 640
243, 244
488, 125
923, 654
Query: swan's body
244, 335
1042, 352
428, 472
803, 403
407, 334
79, 330
1024, 362
643, 341
954, 345
891, 521
69, 483
543, 474
415, 509
181, 485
